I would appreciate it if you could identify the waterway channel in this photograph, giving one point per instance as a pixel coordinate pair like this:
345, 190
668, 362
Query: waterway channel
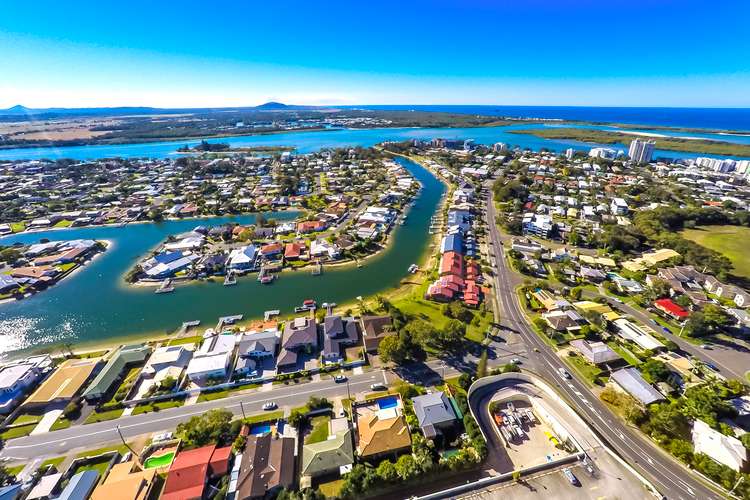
95, 304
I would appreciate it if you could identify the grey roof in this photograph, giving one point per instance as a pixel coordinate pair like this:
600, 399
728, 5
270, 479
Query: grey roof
80, 486
337, 331
630, 379
300, 332
433, 409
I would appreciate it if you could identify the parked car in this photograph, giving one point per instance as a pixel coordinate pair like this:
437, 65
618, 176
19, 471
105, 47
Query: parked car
339, 378
571, 477
164, 436
515, 361
563, 373
378, 387
271, 405
705, 346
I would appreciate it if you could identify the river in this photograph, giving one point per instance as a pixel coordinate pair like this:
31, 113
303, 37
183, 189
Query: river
95, 304
306, 142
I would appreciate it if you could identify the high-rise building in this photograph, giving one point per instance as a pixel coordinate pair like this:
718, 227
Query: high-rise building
641, 151
606, 153
569, 153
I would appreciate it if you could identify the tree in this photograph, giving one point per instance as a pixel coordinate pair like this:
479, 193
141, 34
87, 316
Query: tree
406, 467
745, 438
6, 477
482, 365
10, 255
451, 336
389, 350
297, 418
655, 371
387, 471
211, 427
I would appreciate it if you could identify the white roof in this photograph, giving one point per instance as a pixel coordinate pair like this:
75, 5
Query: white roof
637, 334
726, 450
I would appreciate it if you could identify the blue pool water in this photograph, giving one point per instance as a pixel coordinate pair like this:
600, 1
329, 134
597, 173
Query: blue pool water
389, 402
260, 429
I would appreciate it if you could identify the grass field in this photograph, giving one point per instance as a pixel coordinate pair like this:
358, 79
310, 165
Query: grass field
319, 430
730, 241
103, 416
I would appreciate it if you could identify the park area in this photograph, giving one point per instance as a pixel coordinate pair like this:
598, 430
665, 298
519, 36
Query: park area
730, 241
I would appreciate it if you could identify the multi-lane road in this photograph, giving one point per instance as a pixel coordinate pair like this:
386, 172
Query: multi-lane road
666, 474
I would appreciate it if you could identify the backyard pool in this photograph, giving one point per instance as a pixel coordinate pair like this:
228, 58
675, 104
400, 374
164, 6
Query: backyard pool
162, 460
387, 402
260, 429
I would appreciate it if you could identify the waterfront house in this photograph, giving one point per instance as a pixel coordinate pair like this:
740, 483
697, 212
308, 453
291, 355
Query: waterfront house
165, 362
321, 248
192, 469
118, 361
267, 466
334, 455
374, 330
338, 333
255, 350
310, 226
15, 381
295, 251
242, 259
435, 413
212, 359
300, 336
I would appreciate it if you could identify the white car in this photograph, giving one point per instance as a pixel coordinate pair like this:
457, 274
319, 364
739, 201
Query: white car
270, 406
515, 361
563, 373
164, 436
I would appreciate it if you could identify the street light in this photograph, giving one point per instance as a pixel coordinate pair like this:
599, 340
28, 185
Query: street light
119, 433
242, 408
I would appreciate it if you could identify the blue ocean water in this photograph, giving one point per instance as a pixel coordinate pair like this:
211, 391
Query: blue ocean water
709, 118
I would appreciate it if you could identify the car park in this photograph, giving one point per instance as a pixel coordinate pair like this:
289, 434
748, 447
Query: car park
571, 477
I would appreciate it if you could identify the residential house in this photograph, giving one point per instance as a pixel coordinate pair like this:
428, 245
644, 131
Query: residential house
191, 470
126, 481
253, 349
300, 336
165, 362
374, 330
80, 486
267, 466
668, 307
213, 359
242, 259
64, 383
435, 413
563, 320
636, 333
15, 381
630, 380
381, 428
338, 333
727, 450
118, 362
596, 353
334, 455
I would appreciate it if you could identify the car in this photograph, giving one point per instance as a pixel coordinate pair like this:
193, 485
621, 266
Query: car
712, 367
563, 373
270, 406
164, 436
571, 477
515, 361
536, 349
705, 346
378, 387
126, 457
666, 330
341, 413
339, 378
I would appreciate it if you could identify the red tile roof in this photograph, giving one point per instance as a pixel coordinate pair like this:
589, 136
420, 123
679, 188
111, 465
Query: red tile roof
671, 308
190, 470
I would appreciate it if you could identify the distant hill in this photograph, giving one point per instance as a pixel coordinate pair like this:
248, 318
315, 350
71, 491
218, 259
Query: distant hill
272, 105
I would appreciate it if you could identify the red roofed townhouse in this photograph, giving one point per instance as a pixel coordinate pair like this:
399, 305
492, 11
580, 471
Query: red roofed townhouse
271, 249
310, 226
674, 310
451, 263
192, 469
294, 251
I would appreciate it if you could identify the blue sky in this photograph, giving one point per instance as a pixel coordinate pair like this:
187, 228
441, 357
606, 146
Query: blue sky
221, 53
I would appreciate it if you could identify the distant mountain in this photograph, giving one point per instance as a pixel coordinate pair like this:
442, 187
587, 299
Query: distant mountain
272, 105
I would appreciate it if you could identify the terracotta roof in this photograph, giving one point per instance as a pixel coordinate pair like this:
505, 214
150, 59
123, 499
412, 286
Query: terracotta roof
187, 474
382, 435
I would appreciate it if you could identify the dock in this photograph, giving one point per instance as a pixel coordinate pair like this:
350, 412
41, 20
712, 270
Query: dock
317, 269
165, 287
227, 320
230, 279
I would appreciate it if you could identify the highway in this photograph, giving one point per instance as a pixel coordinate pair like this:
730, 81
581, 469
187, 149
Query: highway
671, 478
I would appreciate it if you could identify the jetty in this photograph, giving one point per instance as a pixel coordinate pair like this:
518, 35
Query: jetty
166, 286
227, 320
317, 269
230, 279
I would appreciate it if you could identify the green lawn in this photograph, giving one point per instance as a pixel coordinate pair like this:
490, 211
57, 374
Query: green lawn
122, 449
319, 430
60, 423
17, 227
99, 466
186, 340
64, 223
16, 469
64, 268
626, 355
418, 307
102, 416
730, 241
159, 405
269, 416
16, 432
586, 369
27, 418
52, 461
331, 489
213, 395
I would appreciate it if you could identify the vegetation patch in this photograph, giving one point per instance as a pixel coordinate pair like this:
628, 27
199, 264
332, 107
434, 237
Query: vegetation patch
730, 241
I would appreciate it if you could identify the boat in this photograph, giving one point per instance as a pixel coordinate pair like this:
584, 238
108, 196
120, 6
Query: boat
267, 279
413, 268
166, 286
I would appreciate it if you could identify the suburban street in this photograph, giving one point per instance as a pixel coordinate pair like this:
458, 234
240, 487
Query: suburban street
671, 478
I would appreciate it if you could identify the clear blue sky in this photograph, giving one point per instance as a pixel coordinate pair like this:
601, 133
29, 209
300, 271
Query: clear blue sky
221, 53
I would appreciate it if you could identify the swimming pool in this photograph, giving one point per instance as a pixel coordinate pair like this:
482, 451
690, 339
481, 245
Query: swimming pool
260, 429
159, 460
387, 402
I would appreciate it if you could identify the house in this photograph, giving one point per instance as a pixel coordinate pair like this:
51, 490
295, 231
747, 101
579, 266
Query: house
381, 428
126, 481
338, 332
295, 251
435, 413
8, 284
618, 207
334, 455
452, 243
324, 248
374, 330
253, 349
726, 450
213, 359
668, 307
267, 466
563, 320
587, 306
630, 380
597, 353
120, 360
636, 333
15, 381
742, 299
242, 259
300, 335
191, 470
451, 263
66, 381
80, 486
165, 362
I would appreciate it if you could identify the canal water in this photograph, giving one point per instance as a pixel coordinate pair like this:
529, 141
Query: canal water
95, 304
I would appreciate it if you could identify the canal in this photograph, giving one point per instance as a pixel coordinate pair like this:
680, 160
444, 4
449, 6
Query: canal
95, 304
